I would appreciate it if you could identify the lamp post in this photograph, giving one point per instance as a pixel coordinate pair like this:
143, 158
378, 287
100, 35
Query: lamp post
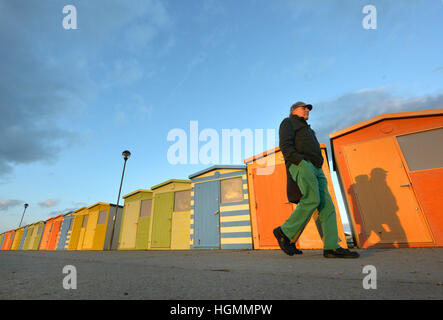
26, 205
126, 154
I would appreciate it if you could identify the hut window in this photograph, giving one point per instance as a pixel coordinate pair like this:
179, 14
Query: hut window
182, 200
50, 229
70, 224
422, 150
145, 208
102, 217
85, 220
40, 229
231, 190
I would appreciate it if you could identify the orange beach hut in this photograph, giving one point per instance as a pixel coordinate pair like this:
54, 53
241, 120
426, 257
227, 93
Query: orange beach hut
390, 169
270, 207
51, 233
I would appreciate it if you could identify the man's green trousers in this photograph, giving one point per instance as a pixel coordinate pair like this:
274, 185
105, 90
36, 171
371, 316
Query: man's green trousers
314, 188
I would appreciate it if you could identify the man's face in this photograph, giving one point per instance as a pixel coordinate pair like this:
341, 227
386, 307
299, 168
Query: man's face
302, 112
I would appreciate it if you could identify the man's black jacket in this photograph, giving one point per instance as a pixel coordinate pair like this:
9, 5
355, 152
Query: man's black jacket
298, 142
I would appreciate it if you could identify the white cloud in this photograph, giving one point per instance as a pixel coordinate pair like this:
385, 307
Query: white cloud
122, 72
50, 75
349, 109
6, 204
48, 203
135, 109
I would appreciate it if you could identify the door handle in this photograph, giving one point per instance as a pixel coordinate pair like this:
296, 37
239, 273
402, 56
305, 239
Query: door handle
217, 212
405, 185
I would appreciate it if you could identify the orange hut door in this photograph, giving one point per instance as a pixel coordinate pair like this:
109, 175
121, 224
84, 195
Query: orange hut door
424, 156
381, 193
54, 235
272, 206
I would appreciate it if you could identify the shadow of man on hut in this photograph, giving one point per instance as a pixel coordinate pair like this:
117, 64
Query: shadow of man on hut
378, 208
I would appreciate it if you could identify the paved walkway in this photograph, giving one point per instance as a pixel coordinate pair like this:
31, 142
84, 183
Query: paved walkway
401, 274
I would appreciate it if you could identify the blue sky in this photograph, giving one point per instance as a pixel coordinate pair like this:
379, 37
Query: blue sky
72, 100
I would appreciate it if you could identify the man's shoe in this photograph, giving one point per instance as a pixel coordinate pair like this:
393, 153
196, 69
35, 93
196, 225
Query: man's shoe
284, 242
340, 253
296, 251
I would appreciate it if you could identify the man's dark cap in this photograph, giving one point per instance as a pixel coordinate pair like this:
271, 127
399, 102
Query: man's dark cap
301, 104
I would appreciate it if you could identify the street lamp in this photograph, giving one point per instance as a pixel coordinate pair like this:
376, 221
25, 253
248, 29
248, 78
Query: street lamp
26, 205
126, 154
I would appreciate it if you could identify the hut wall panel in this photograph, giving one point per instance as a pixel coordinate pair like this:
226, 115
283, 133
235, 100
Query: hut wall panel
24, 235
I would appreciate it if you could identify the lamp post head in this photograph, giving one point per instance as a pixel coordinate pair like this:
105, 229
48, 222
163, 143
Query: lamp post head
126, 154
26, 205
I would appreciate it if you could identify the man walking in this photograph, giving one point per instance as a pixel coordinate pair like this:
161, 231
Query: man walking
307, 185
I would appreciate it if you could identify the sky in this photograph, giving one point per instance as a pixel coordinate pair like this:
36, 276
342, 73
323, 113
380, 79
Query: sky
134, 72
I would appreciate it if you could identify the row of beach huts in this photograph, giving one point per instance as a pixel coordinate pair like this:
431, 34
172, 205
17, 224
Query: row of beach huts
389, 168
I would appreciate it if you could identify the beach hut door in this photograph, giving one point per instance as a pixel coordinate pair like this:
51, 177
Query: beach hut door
390, 211
162, 223
207, 215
